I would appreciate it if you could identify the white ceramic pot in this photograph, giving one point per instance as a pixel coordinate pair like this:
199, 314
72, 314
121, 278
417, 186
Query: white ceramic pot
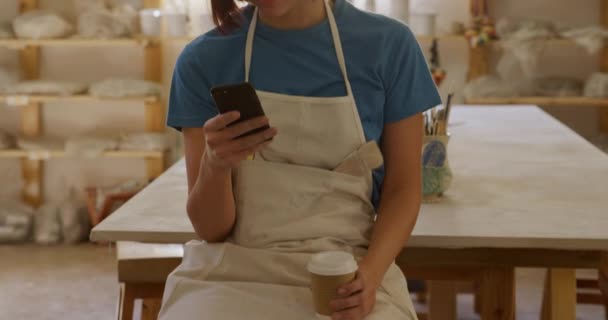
150, 22
423, 24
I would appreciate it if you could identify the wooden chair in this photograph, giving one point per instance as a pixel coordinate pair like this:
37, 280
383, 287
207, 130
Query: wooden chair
595, 290
603, 285
142, 272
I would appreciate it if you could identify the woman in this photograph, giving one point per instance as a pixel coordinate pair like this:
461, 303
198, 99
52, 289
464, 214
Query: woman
331, 79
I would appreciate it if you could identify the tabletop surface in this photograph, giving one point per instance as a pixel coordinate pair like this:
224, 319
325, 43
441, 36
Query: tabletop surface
521, 180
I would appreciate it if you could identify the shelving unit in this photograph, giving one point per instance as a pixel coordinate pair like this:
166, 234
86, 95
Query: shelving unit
544, 101
32, 162
554, 41
479, 61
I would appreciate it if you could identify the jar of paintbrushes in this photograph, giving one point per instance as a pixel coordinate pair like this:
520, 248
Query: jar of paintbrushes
436, 172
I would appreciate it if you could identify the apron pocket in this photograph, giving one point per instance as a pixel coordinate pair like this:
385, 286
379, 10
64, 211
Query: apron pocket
279, 202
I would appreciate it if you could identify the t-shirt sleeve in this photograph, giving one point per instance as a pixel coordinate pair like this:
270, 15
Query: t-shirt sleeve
190, 102
410, 88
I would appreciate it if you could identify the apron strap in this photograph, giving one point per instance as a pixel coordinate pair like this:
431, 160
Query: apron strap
335, 37
249, 43
335, 33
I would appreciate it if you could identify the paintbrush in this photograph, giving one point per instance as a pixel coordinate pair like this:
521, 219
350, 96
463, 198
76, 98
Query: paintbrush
443, 116
448, 107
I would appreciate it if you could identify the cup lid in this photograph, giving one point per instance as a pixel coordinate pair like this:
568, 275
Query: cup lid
332, 263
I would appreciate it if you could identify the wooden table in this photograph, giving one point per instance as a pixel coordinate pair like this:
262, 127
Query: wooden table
527, 192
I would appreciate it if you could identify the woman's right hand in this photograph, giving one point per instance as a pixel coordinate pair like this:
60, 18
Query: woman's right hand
222, 148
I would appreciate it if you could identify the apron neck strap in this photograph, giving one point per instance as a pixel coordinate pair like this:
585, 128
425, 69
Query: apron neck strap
334, 33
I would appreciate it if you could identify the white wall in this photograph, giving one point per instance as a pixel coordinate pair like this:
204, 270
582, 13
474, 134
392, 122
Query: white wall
90, 64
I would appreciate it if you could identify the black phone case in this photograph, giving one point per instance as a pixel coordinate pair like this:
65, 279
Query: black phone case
242, 98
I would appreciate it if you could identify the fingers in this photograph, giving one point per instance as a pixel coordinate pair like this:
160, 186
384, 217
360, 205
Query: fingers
239, 129
351, 288
225, 149
351, 301
245, 144
347, 303
221, 121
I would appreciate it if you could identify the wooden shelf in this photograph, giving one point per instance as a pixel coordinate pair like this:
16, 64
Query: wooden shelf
78, 42
442, 37
47, 154
32, 116
554, 41
480, 65
25, 99
543, 101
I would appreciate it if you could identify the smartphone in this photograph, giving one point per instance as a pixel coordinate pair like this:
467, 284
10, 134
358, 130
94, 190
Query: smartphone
242, 98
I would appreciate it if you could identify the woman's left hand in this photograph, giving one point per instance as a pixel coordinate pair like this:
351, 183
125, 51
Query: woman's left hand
356, 299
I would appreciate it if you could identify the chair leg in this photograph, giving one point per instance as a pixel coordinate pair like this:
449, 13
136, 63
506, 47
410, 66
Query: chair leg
421, 296
126, 302
498, 292
442, 304
477, 297
150, 309
559, 297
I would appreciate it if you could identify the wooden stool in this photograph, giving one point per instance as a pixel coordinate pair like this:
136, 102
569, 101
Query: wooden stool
603, 284
600, 288
142, 272
586, 297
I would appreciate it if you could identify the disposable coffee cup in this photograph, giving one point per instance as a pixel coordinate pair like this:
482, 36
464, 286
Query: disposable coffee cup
328, 272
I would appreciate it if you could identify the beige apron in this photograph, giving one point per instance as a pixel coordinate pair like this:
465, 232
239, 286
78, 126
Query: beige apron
290, 205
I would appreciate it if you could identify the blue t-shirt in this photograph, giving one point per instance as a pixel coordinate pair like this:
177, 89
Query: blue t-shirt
387, 70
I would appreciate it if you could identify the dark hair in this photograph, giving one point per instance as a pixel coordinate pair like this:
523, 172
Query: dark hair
226, 15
